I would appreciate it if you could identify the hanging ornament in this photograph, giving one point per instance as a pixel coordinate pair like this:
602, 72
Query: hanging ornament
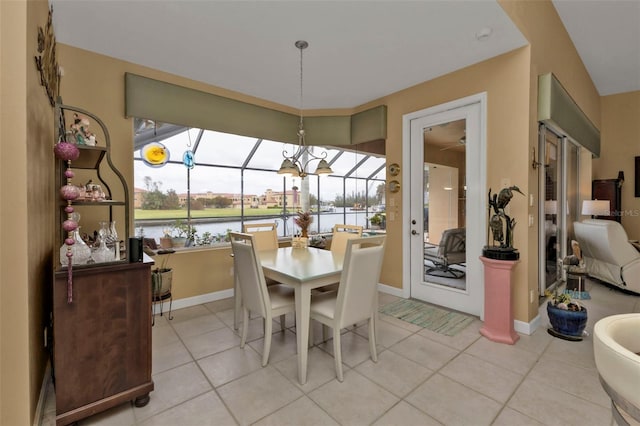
187, 159
154, 154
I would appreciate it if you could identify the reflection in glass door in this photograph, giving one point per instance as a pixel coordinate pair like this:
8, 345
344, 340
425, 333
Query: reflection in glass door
559, 191
551, 188
444, 204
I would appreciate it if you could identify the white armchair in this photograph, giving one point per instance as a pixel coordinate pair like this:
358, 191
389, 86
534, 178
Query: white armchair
616, 349
608, 254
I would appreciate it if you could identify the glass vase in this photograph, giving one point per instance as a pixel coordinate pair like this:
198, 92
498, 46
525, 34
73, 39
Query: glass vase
103, 253
80, 250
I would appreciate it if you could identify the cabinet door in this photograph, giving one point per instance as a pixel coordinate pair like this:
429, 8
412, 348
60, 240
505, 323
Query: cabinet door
102, 340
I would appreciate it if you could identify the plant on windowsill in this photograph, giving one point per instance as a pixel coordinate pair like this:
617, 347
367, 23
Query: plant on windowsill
377, 221
567, 317
181, 232
166, 239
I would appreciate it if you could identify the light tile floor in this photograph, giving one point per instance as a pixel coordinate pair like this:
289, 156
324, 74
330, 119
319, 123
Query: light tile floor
203, 377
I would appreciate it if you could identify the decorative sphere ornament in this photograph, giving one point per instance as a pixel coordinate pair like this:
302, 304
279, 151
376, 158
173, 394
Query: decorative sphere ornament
69, 192
69, 225
66, 151
68, 209
69, 241
69, 173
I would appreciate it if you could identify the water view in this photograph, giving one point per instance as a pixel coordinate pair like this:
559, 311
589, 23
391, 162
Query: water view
285, 226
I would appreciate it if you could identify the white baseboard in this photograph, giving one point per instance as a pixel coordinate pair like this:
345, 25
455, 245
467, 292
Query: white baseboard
527, 327
195, 300
394, 291
223, 294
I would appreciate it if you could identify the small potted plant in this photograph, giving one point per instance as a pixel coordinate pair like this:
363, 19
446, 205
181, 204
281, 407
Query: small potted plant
567, 317
377, 221
166, 239
181, 232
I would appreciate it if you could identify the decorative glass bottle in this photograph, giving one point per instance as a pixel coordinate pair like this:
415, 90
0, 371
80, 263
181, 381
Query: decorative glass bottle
80, 250
103, 253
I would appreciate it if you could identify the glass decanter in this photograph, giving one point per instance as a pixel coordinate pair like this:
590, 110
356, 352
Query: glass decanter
80, 250
103, 253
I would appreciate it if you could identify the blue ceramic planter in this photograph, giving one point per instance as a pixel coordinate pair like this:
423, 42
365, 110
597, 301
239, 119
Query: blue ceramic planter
568, 323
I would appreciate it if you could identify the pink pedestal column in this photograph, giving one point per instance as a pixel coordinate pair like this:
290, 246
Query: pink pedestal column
498, 314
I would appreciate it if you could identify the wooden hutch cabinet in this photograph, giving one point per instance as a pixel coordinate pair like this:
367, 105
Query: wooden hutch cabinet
102, 334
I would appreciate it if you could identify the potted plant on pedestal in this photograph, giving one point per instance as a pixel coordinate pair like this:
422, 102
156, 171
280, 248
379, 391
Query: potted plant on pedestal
161, 282
567, 317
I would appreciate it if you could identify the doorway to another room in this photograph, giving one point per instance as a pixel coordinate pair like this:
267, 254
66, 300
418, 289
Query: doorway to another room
444, 147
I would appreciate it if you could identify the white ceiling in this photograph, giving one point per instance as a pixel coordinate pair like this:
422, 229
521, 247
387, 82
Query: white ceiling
358, 50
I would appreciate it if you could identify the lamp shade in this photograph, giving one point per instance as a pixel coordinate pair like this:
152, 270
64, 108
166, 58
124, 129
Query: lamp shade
288, 168
323, 168
596, 208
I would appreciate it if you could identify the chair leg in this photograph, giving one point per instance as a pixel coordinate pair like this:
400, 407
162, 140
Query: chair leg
268, 325
372, 339
245, 326
337, 353
311, 341
325, 333
282, 321
237, 298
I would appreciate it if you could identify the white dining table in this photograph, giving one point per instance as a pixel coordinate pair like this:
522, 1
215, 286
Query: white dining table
303, 269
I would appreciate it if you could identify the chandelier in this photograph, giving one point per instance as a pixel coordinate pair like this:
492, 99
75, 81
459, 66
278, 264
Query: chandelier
296, 164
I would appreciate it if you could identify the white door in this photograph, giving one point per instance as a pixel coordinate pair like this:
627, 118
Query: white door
447, 190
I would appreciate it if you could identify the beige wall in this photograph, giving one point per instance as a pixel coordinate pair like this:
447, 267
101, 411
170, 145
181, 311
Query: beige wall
26, 166
551, 51
620, 145
199, 271
505, 79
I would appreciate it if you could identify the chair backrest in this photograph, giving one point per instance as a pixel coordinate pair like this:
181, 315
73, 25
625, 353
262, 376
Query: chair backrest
605, 240
359, 279
453, 246
246, 264
266, 236
342, 234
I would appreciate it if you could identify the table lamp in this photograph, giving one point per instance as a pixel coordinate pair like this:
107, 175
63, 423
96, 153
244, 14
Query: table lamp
595, 208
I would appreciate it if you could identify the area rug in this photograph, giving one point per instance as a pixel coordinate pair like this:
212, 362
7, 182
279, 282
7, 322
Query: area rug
580, 295
427, 316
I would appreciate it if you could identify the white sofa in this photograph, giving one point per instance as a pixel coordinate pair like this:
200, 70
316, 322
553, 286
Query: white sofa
608, 254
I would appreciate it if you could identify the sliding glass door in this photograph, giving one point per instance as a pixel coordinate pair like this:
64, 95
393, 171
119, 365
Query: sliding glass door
558, 182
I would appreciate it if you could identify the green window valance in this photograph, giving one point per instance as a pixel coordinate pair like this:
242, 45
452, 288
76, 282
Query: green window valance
170, 103
555, 106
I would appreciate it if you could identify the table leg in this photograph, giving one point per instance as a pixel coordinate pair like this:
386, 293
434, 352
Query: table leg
303, 307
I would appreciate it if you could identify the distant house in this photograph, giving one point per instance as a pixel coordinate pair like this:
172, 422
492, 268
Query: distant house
138, 195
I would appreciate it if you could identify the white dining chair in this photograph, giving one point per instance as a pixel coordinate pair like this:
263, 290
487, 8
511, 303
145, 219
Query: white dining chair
357, 296
275, 300
265, 234
265, 238
343, 233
